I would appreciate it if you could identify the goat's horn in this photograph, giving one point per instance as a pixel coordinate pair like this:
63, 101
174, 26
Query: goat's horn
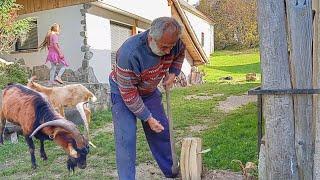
80, 108
67, 125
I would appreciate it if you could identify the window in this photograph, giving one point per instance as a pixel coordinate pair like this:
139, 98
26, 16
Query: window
202, 39
30, 40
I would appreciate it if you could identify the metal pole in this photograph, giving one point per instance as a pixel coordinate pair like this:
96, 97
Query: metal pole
259, 128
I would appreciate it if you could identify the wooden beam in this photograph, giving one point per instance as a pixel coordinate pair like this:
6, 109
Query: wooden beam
300, 22
278, 109
31, 6
316, 84
134, 27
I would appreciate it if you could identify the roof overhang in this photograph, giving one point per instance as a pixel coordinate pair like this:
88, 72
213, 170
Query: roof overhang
186, 6
120, 11
30, 6
188, 36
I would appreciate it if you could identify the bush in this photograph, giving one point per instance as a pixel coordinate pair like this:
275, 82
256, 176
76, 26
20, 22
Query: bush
11, 27
13, 73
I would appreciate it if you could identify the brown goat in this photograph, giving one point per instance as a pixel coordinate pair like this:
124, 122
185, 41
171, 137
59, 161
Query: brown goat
34, 114
66, 96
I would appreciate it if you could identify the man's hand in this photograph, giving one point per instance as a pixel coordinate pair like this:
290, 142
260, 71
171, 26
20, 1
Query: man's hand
168, 81
155, 125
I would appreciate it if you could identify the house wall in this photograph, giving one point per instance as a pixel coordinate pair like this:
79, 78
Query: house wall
149, 9
99, 34
192, 2
187, 64
99, 40
98, 24
199, 25
70, 40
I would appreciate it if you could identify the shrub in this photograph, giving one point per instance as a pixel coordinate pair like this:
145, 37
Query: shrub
13, 73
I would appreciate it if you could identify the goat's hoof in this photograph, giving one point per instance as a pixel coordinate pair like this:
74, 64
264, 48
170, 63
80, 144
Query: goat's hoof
34, 166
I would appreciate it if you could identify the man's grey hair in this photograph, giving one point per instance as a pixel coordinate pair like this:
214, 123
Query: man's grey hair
162, 24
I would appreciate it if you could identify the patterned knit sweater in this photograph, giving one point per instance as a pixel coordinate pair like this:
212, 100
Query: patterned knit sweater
138, 71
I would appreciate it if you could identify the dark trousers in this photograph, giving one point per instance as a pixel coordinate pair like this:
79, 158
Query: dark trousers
125, 136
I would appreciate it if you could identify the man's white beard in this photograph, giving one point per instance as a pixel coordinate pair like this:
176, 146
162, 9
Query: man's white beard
154, 48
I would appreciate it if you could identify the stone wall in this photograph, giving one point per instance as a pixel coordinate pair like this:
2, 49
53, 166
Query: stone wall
102, 92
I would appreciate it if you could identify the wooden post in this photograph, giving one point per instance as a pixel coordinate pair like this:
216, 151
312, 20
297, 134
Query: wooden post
300, 22
278, 109
316, 81
134, 27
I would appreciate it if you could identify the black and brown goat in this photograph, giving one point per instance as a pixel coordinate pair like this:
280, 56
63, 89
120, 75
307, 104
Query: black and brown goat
33, 113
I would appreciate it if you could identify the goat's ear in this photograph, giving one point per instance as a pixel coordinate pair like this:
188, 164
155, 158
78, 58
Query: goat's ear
58, 131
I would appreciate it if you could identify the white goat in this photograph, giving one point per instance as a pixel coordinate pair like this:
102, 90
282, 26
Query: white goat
66, 96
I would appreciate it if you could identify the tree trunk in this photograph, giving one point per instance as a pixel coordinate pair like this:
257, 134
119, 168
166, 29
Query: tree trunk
278, 109
300, 30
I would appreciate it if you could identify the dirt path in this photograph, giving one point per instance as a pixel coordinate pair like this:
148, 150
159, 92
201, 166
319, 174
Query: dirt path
149, 170
234, 102
221, 175
202, 97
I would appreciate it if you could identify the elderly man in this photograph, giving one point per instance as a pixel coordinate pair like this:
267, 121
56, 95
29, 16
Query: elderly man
142, 62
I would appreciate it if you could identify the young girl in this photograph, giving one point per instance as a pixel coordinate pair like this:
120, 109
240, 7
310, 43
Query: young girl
55, 55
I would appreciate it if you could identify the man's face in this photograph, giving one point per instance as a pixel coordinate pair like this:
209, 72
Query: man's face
164, 45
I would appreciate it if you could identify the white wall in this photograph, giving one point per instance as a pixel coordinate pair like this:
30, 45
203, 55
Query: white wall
199, 25
70, 40
186, 68
149, 9
99, 39
192, 2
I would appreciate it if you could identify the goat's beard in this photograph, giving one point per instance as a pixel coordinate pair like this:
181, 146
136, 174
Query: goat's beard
71, 163
154, 48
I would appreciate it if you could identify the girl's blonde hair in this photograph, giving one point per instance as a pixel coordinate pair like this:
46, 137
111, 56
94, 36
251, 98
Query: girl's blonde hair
46, 41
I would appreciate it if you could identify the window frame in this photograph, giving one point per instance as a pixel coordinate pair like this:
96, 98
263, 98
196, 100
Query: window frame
19, 48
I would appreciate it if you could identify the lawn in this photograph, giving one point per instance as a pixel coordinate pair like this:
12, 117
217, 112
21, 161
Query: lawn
234, 64
230, 136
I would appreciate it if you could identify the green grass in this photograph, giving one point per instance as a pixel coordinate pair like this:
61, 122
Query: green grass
230, 136
234, 64
234, 138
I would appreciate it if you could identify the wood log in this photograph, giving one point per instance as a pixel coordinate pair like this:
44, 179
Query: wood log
190, 159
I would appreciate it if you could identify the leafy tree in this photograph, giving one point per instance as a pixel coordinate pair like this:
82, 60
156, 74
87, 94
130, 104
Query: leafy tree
11, 28
235, 22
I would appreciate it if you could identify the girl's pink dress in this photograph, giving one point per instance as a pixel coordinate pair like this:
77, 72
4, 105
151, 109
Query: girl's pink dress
53, 55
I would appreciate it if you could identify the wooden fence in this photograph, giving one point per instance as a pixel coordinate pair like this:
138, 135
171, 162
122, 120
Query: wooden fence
289, 60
